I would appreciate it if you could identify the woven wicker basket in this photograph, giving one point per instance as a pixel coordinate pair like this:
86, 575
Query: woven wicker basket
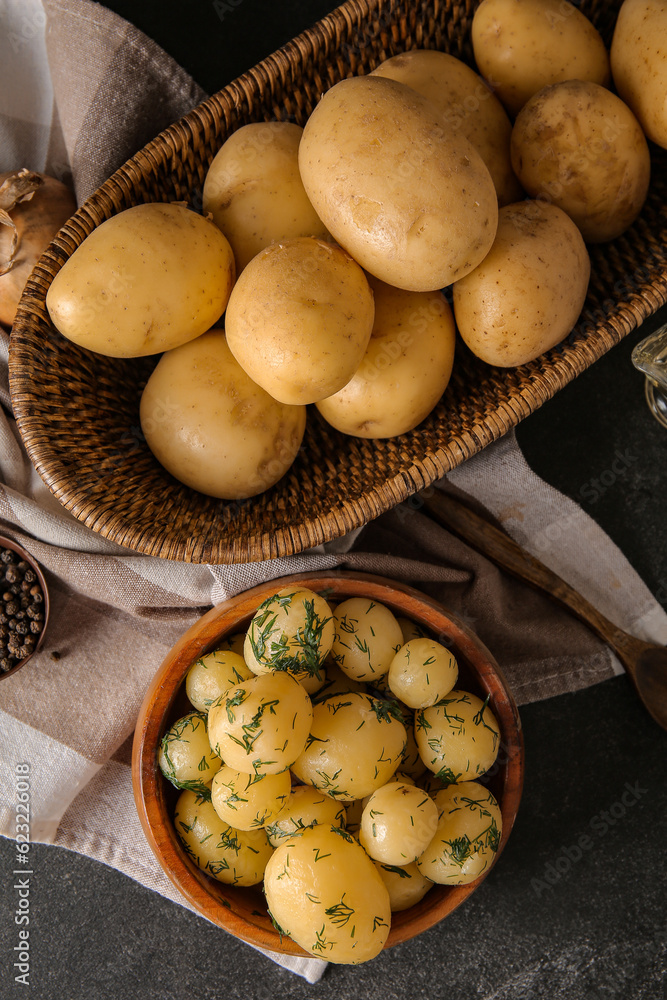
78, 412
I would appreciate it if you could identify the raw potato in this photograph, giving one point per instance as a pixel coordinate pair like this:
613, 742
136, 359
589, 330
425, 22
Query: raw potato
186, 758
366, 640
213, 675
579, 146
212, 427
405, 884
355, 746
639, 64
249, 801
305, 807
299, 319
528, 293
467, 104
521, 46
235, 857
422, 672
254, 191
398, 823
146, 280
405, 370
324, 891
468, 835
261, 725
410, 199
458, 738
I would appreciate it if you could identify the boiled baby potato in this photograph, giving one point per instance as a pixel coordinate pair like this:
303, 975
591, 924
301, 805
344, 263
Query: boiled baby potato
521, 46
458, 738
213, 674
299, 319
410, 199
235, 857
398, 823
405, 884
261, 725
367, 636
354, 746
186, 758
254, 191
467, 104
212, 427
146, 280
528, 293
249, 801
305, 807
422, 672
405, 370
324, 891
639, 64
467, 837
579, 146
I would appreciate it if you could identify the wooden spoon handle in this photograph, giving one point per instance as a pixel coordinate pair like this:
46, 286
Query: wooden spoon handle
505, 552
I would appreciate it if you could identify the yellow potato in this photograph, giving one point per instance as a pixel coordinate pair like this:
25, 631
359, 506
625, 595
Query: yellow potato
422, 672
299, 319
213, 674
405, 370
249, 801
398, 823
305, 807
639, 64
468, 835
579, 146
521, 46
410, 199
405, 884
212, 427
254, 191
146, 280
526, 296
185, 757
367, 636
467, 104
458, 738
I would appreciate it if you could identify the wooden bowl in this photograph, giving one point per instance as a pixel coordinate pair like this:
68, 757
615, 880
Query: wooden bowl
7, 543
242, 911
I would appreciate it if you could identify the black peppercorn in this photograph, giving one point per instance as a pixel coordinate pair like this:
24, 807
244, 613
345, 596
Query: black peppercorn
11, 607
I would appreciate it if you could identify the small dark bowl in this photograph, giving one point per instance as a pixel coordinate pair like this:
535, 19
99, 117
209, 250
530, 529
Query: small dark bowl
7, 543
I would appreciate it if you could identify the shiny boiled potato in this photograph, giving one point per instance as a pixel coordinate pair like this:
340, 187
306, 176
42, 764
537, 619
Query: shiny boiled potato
299, 319
398, 823
213, 675
324, 891
639, 64
521, 46
405, 884
235, 857
405, 370
410, 199
458, 739
366, 640
422, 672
305, 807
212, 427
527, 294
249, 801
254, 191
261, 725
292, 630
579, 146
467, 837
336, 682
467, 104
186, 758
355, 746
145, 281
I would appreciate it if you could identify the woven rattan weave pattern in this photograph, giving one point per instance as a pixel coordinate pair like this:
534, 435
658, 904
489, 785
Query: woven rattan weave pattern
78, 412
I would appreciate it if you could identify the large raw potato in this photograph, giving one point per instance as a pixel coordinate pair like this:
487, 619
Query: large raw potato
299, 319
468, 105
405, 370
212, 427
254, 191
639, 63
528, 293
578, 145
407, 196
147, 280
521, 46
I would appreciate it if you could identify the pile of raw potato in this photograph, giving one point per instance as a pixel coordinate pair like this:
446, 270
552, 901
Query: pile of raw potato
315, 273
330, 757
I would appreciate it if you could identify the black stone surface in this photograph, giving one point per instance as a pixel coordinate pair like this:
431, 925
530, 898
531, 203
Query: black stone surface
575, 907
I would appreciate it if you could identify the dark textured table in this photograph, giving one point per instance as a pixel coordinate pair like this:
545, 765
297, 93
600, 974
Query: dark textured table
576, 906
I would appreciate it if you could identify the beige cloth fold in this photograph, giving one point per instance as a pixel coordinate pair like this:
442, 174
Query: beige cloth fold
115, 613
